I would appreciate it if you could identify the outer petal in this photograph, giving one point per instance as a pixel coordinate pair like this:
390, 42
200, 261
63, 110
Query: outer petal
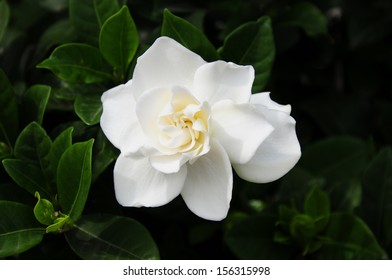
278, 153
137, 183
264, 99
220, 80
119, 121
165, 64
209, 183
240, 128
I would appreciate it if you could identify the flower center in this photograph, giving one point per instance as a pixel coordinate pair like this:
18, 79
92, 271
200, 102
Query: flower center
184, 126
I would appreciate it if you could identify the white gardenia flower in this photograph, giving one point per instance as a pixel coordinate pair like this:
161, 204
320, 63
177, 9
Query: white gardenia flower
181, 124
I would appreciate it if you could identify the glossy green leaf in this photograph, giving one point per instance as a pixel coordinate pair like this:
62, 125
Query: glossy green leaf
348, 238
119, 40
252, 44
19, 230
88, 107
4, 17
317, 206
88, 16
74, 178
77, 63
33, 145
103, 153
188, 35
336, 158
35, 102
28, 176
60, 144
44, 210
253, 238
9, 111
111, 237
377, 192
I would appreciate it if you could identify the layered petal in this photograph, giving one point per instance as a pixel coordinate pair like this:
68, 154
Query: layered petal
278, 153
240, 128
137, 183
264, 99
165, 64
221, 80
119, 121
208, 186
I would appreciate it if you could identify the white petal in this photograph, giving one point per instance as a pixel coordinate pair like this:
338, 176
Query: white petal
137, 183
168, 163
208, 186
148, 108
264, 99
240, 128
220, 80
165, 64
118, 120
277, 154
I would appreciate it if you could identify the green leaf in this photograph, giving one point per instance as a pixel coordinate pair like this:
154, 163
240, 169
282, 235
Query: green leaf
111, 237
19, 230
74, 178
88, 16
28, 176
104, 154
306, 16
377, 191
33, 145
348, 237
4, 17
77, 63
88, 107
119, 40
35, 102
303, 228
336, 158
317, 207
59, 146
44, 210
253, 238
60, 225
252, 44
9, 111
188, 35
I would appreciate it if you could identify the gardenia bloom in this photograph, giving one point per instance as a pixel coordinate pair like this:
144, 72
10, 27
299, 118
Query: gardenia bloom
181, 124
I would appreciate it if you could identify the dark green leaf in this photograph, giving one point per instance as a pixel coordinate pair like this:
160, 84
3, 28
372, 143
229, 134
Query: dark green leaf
89, 108
104, 154
111, 237
253, 238
4, 17
59, 146
349, 238
336, 158
35, 102
77, 63
28, 176
19, 230
33, 145
317, 206
54, 5
119, 40
74, 178
252, 44
9, 111
306, 16
377, 192
88, 16
44, 210
188, 35
303, 228
59, 33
